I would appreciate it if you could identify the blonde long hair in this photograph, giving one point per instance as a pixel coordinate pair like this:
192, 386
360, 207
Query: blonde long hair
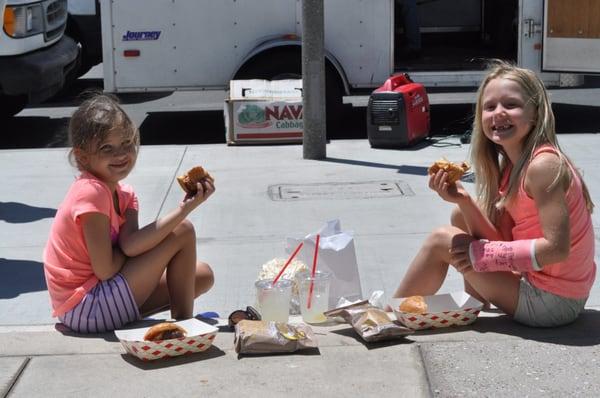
490, 161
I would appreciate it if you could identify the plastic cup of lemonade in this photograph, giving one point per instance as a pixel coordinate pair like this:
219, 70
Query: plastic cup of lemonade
319, 300
273, 301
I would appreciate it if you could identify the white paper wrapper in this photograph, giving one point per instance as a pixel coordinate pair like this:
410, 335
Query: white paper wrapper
337, 254
443, 310
199, 338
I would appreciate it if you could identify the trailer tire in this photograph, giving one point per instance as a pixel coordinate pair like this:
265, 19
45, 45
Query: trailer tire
10, 105
279, 65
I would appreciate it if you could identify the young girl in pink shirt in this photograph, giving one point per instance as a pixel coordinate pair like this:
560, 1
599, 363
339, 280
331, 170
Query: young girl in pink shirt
101, 268
527, 244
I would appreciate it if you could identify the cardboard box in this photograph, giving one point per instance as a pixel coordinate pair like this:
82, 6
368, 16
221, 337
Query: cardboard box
263, 111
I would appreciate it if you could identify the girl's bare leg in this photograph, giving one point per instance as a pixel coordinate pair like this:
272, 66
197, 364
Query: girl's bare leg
498, 288
168, 274
159, 299
428, 270
457, 220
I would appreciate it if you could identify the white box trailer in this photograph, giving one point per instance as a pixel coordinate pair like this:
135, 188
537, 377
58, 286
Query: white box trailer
164, 45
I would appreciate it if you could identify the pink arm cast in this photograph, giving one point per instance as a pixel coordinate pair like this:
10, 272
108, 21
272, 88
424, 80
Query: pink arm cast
518, 255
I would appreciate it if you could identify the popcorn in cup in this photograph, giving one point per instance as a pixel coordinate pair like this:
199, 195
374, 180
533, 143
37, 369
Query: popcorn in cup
272, 269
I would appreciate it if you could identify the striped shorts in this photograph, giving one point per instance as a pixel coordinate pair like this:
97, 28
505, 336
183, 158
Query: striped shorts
108, 306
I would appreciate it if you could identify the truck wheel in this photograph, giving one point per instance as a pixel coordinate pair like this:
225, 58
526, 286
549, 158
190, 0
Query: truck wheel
85, 67
10, 105
279, 65
87, 61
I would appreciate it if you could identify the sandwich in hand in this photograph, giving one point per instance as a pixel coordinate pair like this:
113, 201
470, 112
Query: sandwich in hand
165, 331
189, 180
454, 170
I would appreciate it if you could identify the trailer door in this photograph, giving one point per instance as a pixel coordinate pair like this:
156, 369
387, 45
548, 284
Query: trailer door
571, 36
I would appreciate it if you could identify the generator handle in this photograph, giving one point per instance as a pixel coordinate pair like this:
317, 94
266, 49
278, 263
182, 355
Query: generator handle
395, 81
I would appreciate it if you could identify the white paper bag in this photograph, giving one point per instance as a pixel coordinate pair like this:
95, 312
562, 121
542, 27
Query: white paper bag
336, 255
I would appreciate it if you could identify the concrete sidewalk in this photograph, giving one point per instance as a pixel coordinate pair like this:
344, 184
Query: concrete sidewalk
242, 227
492, 357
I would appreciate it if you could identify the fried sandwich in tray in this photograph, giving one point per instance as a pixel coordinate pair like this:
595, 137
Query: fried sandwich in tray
165, 331
414, 304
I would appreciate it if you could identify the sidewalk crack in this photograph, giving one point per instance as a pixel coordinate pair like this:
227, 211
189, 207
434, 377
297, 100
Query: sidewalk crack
173, 178
425, 370
16, 377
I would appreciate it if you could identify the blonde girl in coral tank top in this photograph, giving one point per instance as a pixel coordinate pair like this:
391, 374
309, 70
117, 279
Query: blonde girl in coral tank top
526, 244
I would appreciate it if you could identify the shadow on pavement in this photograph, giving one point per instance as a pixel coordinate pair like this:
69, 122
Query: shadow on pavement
402, 169
65, 331
303, 352
350, 332
582, 332
413, 170
447, 119
80, 89
190, 127
72, 94
34, 132
18, 213
451, 119
576, 119
363, 163
208, 127
20, 276
210, 353
110, 336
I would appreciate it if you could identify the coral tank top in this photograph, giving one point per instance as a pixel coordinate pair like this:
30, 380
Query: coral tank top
572, 278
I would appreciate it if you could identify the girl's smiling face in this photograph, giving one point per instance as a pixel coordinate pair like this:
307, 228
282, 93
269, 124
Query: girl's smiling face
507, 117
113, 159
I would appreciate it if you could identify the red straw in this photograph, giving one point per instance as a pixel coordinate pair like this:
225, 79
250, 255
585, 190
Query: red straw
314, 269
287, 263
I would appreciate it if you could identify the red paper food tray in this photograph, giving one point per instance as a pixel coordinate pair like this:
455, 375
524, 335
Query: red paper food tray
443, 310
199, 338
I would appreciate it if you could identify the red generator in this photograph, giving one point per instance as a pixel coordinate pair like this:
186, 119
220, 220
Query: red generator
398, 113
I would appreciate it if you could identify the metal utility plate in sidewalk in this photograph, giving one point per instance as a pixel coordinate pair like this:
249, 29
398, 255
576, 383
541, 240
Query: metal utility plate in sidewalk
340, 190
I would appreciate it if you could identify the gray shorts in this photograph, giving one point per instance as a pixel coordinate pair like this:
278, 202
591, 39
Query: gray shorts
543, 309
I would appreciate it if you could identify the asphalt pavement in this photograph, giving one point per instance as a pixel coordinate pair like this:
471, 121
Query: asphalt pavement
242, 227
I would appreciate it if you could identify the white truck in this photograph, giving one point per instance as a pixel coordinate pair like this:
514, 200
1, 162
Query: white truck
164, 45
35, 56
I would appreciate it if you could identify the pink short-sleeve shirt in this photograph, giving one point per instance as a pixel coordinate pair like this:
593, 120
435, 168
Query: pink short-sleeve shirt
67, 264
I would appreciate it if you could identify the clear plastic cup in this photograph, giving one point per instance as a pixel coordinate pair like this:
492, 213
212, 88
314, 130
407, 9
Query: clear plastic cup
319, 300
273, 302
